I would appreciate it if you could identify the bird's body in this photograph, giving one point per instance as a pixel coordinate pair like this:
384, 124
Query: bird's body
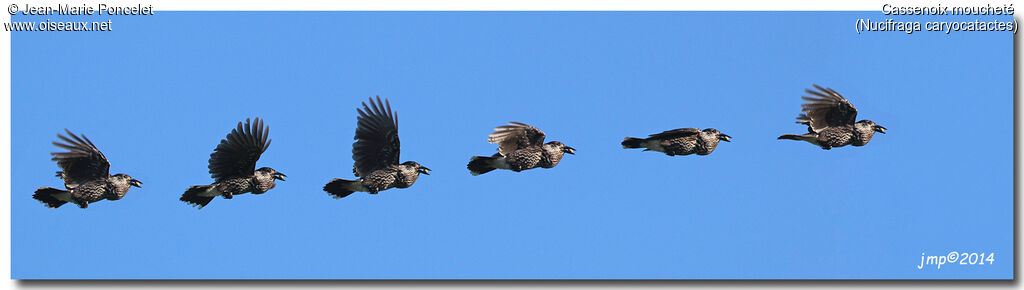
86, 176
834, 136
232, 165
259, 183
684, 141
393, 176
92, 191
241, 185
520, 147
831, 121
376, 154
527, 158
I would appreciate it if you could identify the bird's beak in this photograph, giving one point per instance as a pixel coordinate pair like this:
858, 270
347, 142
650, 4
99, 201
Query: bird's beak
726, 138
880, 129
425, 170
280, 176
136, 183
570, 150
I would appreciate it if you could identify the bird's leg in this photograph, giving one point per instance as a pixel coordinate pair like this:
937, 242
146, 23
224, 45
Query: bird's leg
226, 195
82, 203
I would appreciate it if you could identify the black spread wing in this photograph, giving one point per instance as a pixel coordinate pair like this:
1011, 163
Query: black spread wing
377, 145
826, 108
671, 134
515, 136
236, 155
82, 163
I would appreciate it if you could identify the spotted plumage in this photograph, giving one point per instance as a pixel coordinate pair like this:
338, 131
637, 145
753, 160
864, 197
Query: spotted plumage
520, 147
86, 175
233, 166
832, 121
376, 154
684, 141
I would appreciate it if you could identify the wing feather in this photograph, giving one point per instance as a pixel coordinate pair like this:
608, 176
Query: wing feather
826, 108
82, 162
238, 152
377, 144
515, 136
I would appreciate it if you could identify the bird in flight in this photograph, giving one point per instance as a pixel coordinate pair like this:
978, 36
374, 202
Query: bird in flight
86, 175
684, 141
376, 154
520, 147
233, 166
832, 121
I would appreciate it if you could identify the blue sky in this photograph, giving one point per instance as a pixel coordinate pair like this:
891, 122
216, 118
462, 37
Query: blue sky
158, 93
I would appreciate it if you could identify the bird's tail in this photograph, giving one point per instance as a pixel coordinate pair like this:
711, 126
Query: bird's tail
192, 197
340, 188
480, 165
46, 196
631, 142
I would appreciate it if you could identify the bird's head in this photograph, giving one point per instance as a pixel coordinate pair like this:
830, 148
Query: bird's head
878, 128
419, 168
273, 173
716, 133
565, 148
131, 181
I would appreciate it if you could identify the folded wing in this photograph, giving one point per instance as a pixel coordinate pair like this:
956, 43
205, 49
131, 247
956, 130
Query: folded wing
676, 133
